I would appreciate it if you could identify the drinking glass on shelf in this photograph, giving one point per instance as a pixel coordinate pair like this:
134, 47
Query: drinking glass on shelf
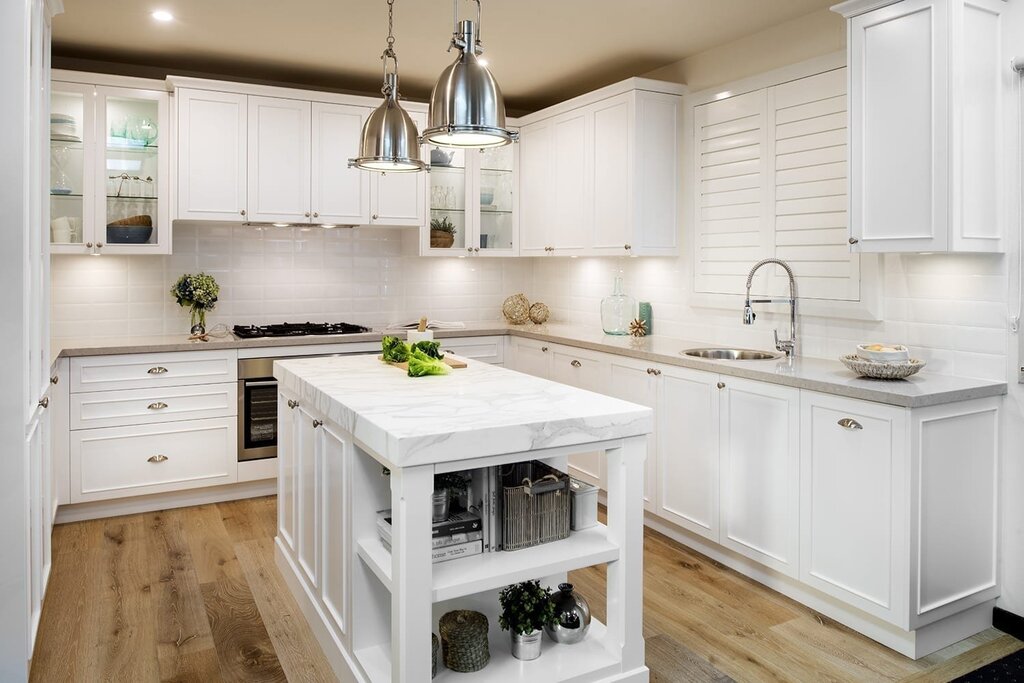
147, 132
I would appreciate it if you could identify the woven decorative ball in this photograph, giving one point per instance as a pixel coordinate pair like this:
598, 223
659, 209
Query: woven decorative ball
539, 313
516, 309
434, 645
464, 640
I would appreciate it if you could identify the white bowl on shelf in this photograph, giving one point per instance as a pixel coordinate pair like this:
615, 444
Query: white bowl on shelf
884, 353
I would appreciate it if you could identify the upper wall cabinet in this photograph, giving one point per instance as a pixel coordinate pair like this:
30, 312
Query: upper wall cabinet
600, 173
244, 157
925, 124
108, 166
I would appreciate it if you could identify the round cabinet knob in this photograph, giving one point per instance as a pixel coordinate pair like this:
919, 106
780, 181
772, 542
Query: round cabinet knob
88, 245
242, 212
44, 402
99, 245
853, 240
544, 349
307, 214
475, 249
293, 404
317, 423
653, 371
54, 379
627, 247
316, 214
721, 385
576, 364
374, 216
469, 249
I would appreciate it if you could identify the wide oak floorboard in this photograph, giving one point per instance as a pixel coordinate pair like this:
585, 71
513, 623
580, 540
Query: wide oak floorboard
194, 595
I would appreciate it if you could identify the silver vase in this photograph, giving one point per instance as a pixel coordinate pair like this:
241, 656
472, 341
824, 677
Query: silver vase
440, 501
572, 616
526, 647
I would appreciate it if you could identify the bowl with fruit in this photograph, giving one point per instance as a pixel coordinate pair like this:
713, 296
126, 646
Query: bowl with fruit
883, 353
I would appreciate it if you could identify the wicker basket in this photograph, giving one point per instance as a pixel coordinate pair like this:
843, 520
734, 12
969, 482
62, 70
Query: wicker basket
440, 239
464, 640
434, 644
536, 505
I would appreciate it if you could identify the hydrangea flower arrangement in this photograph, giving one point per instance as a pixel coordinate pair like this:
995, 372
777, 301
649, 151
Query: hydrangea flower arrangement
199, 293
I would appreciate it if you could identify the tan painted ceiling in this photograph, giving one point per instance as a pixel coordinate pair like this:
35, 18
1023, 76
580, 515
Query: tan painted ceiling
541, 51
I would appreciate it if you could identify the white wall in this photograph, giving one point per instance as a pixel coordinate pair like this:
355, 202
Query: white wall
277, 275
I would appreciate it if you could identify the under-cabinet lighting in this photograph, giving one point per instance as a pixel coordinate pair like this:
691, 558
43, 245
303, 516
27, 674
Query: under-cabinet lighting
328, 225
282, 225
162, 15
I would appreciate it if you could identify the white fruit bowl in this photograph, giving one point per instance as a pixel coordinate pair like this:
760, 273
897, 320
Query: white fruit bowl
884, 353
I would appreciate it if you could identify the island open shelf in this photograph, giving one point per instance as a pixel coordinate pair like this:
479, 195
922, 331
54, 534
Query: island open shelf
357, 437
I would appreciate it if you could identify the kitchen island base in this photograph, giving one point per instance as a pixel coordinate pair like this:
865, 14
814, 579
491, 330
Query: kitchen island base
373, 611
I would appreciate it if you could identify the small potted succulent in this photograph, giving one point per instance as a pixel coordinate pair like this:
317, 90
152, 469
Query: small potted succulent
526, 608
447, 487
198, 292
442, 233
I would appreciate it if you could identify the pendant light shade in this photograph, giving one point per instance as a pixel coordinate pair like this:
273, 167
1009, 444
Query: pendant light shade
466, 106
389, 141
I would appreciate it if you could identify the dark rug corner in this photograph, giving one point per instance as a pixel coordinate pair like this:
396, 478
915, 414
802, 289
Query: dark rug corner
1009, 669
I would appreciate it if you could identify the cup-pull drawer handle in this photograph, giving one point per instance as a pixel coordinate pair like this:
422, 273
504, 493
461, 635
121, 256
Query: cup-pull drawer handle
158, 458
576, 364
850, 423
158, 405
158, 370
293, 404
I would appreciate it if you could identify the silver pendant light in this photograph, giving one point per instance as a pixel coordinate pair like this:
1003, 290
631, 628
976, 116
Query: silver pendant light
466, 107
390, 142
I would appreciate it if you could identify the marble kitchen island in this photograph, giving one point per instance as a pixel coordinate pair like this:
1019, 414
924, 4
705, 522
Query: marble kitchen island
357, 436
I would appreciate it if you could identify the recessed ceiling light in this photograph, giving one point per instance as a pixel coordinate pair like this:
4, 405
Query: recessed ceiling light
162, 15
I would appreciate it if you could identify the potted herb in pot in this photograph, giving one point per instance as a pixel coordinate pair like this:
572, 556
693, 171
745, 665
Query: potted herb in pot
447, 487
526, 608
442, 233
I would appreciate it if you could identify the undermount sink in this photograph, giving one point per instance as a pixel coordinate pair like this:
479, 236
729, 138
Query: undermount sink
731, 354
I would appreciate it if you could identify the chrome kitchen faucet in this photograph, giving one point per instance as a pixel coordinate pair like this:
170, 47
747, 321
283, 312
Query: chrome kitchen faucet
787, 346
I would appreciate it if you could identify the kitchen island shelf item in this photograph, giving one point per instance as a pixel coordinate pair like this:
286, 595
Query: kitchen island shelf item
479, 573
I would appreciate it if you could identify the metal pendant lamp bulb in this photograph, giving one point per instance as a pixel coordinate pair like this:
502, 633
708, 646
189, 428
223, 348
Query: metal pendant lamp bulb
467, 109
389, 142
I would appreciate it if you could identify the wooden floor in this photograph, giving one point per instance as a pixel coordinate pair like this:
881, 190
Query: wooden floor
194, 595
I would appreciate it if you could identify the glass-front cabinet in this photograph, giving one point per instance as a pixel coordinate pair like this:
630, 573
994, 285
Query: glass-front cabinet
473, 200
108, 170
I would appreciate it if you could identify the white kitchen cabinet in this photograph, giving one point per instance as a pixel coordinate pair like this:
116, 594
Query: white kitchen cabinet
334, 460
638, 382
306, 496
40, 513
760, 472
399, 199
532, 357
477, 192
688, 449
925, 125
95, 409
279, 163
853, 479
116, 462
288, 448
340, 194
590, 371
112, 164
152, 370
212, 155
600, 173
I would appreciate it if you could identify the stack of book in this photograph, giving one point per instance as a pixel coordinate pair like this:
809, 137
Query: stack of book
461, 535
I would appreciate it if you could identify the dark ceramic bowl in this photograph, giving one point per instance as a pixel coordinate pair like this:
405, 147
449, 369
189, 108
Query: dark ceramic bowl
129, 234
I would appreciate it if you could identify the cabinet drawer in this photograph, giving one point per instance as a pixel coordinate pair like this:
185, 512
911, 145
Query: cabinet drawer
486, 349
147, 406
116, 462
138, 371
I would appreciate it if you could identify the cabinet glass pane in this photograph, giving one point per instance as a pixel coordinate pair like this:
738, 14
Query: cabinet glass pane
130, 175
67, 167
496, 199
447, 198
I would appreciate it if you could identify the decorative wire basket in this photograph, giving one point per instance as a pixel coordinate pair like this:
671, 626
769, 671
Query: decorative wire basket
536, 505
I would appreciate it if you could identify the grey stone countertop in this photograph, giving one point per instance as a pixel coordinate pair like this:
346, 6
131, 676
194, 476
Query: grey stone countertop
816, 374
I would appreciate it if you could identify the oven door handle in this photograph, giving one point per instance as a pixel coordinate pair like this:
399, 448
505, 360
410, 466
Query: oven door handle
268, 383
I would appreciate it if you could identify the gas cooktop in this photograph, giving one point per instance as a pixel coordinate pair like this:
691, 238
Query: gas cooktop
296, 330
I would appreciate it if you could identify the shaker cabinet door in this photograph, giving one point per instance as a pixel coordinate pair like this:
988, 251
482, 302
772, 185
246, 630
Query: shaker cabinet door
536, 200
590, 371
212, 158
341, 195
279, 160
399, 199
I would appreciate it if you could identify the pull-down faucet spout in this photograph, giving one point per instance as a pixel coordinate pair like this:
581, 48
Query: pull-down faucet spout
788, 346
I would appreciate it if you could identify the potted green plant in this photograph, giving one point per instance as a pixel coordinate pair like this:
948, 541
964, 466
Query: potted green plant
442, 233
526, 608
447, 487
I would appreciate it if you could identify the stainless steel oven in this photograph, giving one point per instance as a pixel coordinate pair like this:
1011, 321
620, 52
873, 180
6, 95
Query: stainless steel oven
257, 409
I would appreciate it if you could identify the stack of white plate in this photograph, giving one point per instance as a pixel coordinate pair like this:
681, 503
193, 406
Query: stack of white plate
64, 127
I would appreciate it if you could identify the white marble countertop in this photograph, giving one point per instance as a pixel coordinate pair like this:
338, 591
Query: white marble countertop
816, 374
474, 412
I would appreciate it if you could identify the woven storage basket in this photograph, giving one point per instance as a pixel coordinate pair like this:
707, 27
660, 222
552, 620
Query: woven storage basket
434, 644
464, 640
536, 505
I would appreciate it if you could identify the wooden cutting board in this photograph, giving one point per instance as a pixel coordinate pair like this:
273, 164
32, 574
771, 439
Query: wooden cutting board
450, 361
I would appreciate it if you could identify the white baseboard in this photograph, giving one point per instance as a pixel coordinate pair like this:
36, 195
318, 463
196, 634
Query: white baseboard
164, 501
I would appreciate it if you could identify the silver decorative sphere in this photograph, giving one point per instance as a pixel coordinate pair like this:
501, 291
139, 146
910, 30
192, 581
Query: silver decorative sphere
572, 616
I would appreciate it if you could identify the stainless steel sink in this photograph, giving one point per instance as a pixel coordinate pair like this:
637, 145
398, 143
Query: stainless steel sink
731, 354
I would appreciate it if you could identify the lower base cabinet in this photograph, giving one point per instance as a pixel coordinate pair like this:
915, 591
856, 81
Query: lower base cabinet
890, 511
